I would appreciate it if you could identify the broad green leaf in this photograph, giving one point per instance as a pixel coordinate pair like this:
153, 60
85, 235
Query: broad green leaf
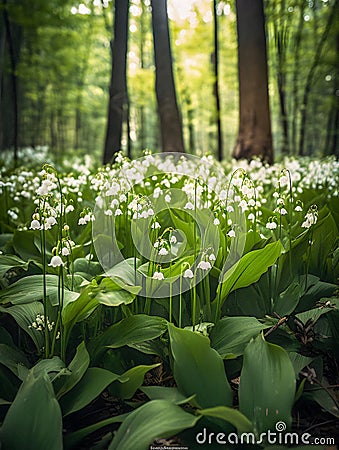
24, 246
94, 381
25, 315
30, 289
313, 314
77, 311
299, 362
249, 269
195, 365
77, 369
231, 415
230, 335
34, 419
132, 330
111, 294
124, 275
8, 262
72, 440
288, 300
52, 365
135, 378
325, 398
267, 385
84, 265
170, 394
12, 357
155, 419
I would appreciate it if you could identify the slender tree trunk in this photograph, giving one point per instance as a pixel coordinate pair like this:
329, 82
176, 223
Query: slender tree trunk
310, 76
2, 60
281, 38
118, 86
14, 80
216, 81
170, 120
254, 135
296, 72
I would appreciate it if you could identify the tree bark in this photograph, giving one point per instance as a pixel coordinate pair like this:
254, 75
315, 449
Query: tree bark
170, 119
118, 87
14, 81
254, 135
216, 81
310, 77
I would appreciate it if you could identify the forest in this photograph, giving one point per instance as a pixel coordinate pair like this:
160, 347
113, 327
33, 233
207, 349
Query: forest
57, 73
169, 224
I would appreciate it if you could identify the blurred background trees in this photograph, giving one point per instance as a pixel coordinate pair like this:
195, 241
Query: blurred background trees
56, 67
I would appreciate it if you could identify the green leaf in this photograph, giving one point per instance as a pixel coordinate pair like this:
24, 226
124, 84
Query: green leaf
324, 398
111, 294
8, 262
12, 357
24, 246
135, 378
46, 366
34, 419
288, 300
230, 335
195, 364
299, 362
94, 381
170, 394
249, 269
25, 315
77, 369
155, 419
131, 330
124, 275
267, 385
71, 440
30, 289
231, 415
77, 311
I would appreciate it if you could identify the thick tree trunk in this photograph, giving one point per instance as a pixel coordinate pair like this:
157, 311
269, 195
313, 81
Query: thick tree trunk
216, 81
118, 87
254, 135
170, 119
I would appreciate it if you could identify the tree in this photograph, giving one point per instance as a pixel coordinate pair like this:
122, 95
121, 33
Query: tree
118, 98
310, 77
254, 135
216, 80
170, 119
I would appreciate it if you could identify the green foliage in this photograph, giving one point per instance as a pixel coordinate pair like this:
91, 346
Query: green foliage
37, 411
193, 362
267, 385
155, 418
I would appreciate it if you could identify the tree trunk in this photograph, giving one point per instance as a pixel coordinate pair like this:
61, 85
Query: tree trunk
118, 85
296, 72
310, 76
254, 135
216, 81
170, 119
14, 81
281, 41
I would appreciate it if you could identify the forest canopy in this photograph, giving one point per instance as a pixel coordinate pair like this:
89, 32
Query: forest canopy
56, 63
